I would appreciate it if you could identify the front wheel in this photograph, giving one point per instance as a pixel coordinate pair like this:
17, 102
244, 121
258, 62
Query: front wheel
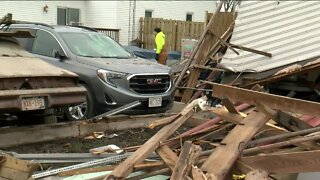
81, 111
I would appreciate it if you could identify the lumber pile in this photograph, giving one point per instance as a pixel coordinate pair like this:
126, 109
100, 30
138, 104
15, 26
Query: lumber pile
247, 137
254, 135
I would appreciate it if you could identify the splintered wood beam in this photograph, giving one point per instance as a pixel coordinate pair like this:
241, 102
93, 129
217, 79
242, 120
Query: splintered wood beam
223, 113
290, 122
224, 42
273, 101
281, 144
168, 156
283, 118
229, 105
202, 56
197, 47
187, 158
162, 121
223, 157
126, 167
197, 174
294, 162
251, 50
208, 68
283, 136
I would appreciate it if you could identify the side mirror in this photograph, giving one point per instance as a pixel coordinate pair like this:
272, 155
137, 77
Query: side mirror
59, 55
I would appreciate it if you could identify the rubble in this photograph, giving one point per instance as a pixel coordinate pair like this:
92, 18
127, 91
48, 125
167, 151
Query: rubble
245, 132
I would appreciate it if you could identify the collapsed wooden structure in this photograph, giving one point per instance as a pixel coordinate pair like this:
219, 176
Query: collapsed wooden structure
254, 135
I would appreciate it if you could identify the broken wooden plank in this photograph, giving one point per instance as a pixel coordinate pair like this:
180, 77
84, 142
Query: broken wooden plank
224, 42
251, 50
283, 118
189, 154
168, 156
201, 60
126, 167
223, 113
207, 68
162, 121
197, 47
276, 77
283, 136
197, 174
229, 105
294, 162
271, 100
290, 122
213, 121
223, 157
13, 168
281, 144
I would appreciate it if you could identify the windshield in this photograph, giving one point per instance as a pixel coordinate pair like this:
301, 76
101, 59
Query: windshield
93, 45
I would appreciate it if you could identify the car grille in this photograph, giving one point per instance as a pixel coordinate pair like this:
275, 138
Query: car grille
150, 84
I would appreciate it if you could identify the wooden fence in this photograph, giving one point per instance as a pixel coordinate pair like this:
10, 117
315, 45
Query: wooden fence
113, 33
174, 30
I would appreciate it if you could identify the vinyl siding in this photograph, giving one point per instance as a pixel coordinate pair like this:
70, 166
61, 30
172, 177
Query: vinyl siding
101, 14
33, 10
289, 30
108, 14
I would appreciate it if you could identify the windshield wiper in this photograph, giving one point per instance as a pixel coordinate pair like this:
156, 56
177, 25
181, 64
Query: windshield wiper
118, 57
90, 56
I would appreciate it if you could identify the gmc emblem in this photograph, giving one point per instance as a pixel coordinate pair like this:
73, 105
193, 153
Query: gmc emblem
154, 81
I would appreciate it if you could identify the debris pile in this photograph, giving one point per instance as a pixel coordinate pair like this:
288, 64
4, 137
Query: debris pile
254, 134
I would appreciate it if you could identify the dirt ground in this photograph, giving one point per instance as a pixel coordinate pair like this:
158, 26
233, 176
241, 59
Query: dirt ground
122, 139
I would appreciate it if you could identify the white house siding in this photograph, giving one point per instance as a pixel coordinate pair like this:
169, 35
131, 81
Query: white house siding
123, 21
108, 14
101, 14
289, 30
33, 10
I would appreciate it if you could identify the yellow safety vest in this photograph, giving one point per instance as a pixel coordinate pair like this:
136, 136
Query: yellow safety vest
160, 41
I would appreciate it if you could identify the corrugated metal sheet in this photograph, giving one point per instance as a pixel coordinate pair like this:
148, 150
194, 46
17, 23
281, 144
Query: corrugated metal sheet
289, 30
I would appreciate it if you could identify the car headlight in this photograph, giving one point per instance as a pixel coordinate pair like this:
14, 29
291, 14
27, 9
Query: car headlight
109, 76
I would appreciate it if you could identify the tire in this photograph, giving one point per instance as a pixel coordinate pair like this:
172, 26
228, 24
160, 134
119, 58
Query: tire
81, 111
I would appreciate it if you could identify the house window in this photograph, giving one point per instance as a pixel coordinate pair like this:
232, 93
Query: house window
148, 13
189, 17
68, 16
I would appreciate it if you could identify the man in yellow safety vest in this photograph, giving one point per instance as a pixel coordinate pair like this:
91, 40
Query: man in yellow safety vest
161, 49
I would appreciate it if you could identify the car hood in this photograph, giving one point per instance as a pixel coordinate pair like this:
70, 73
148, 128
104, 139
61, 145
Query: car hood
30, 67
131, 66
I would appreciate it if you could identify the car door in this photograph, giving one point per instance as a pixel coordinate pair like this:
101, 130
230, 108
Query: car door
44, 45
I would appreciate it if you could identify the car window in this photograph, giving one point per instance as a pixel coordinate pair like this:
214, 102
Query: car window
93, 45
45, 43
26, 43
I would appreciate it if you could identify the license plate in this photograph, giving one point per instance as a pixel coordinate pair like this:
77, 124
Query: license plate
155, 102
32, 103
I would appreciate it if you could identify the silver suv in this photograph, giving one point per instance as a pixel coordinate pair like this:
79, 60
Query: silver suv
112, 76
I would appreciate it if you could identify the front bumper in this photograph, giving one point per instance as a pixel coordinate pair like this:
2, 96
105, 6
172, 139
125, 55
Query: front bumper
111, 98
53, 97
